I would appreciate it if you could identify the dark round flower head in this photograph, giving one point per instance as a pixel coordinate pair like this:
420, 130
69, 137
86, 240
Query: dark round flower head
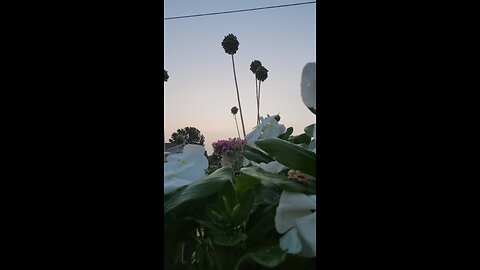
277, 117
261, 73
234, 110
165, 75
254, 65
230, 44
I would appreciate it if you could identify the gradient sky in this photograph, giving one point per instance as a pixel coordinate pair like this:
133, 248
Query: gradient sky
201, 91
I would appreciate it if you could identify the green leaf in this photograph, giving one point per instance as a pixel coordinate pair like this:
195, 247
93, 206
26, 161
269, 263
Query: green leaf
290, 155
246, 206
309, 130
267, 195
269, 179
269, 256
229, 240
287, 134
254, 154
299, 139
230, 195
209, 185
260, 223
254, 157
245, 182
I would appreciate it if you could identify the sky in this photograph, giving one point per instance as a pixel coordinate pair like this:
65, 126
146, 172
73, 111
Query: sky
201, 89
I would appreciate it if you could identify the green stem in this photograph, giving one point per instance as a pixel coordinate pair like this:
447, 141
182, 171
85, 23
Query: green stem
258, 102
238, 97
256, 94
236, 123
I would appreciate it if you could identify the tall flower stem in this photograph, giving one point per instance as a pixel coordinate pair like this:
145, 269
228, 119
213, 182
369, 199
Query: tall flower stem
236, 123
258, 101
238, 97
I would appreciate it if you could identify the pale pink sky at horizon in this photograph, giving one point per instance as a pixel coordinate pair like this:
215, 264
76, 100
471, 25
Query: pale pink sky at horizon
201, 91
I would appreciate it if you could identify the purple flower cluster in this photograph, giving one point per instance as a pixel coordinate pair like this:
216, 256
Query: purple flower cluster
221, 146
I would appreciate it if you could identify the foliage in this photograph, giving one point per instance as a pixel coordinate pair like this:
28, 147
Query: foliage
255, 212
227, 221
188, 135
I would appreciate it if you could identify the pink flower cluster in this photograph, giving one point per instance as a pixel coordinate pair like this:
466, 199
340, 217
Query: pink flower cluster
221, 146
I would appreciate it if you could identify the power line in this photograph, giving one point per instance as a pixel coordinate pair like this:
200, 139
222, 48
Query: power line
241, 10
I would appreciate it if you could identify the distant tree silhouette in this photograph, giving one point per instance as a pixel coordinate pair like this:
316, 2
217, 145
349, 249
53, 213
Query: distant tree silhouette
189, 135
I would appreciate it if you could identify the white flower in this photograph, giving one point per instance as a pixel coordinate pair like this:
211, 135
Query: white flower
272, 166
184, 168
309, 85
296, 217
268, 128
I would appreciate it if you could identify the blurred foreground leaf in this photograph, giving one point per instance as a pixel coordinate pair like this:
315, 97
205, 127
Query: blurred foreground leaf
290, 155
209, 185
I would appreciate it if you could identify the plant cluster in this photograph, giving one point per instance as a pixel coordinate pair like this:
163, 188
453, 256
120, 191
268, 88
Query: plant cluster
256, 214
220, 147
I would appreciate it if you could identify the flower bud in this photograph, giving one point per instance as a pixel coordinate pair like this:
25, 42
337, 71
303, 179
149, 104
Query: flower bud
254, 65
234, 110
261, 73
230, 44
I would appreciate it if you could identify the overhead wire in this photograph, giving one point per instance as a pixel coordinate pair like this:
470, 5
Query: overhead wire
240, 10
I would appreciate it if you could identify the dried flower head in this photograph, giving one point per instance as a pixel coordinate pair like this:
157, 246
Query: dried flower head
230, 44
261, 73
254, 65
234, 110
165, 75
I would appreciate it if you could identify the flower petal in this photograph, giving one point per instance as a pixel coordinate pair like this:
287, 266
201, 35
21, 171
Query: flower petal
307, 230
184, 168
273, 130
291, 206
286, 215
273, 166
173, 184
298, 201
253, 136
309, 85
290, 242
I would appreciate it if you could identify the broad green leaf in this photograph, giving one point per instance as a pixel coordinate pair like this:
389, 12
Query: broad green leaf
287, 134
269, 179
267, 195
309, 130
230, 195
260, 223
299, 139
290, 155
254, 157
246, 205
229, 240
201, 189
254, 154
245, 182
269, 256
